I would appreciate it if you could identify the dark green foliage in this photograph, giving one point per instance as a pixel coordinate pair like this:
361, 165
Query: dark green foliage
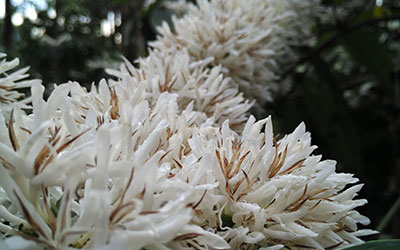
377, 245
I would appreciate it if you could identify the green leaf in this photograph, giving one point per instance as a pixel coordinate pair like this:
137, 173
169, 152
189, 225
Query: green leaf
379, 12
366, 49
120, 2
227, 220
377, 245
331, 115
55, 207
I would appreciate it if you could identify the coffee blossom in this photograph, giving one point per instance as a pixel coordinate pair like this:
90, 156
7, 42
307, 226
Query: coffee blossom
11, 80
164, 155
253, 41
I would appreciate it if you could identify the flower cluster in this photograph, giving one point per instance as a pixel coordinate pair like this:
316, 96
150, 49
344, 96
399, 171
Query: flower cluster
253, 41
10, 83
164, 157
204, 88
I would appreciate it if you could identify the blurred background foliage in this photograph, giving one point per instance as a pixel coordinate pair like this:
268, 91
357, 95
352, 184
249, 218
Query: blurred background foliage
346, 87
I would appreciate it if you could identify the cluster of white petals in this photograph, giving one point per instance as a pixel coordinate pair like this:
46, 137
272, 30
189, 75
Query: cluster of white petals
10, 81
78, 173
253, 41
164, 157
204, 88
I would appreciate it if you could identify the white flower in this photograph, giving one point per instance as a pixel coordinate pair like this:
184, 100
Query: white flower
276, 192
10, 82
101, 180
204, 89
252, 40
179, 7
140, 174
162, 157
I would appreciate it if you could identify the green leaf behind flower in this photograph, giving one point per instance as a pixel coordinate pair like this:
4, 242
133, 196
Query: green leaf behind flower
377, 245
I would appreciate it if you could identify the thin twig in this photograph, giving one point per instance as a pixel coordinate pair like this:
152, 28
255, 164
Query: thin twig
389, 216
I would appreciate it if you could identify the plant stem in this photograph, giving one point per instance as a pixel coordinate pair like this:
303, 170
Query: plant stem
389, 215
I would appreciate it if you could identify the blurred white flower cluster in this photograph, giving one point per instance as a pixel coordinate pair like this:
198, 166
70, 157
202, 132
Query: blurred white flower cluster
253, 41
164, 157
10, 81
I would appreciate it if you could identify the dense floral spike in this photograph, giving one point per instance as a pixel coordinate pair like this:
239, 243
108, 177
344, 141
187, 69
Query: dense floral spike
252, 40
210, 94
127, 167
84, 183
276, 192
10, 81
